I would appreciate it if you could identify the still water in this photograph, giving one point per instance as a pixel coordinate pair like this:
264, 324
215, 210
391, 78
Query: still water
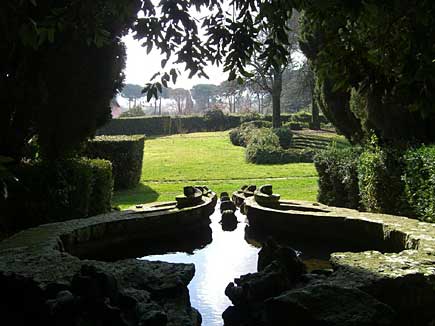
228, 256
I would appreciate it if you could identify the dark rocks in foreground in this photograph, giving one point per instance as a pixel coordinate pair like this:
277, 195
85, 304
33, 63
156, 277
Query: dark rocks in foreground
283, 293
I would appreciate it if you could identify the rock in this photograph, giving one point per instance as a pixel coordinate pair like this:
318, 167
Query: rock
227, 206
285, 256
229, 220
327, 305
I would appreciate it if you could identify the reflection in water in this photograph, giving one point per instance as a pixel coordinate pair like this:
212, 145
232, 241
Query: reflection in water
226, 258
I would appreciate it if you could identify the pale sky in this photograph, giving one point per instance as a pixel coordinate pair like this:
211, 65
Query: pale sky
141, 67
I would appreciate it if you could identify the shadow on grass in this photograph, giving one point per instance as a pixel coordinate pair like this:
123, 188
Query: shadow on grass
142, 194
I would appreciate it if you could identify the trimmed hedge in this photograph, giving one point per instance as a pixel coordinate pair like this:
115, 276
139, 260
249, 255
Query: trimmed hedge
419, 179
149, 126
102, 187
57, 191
212, 120
126, 155
380, 171
338, 177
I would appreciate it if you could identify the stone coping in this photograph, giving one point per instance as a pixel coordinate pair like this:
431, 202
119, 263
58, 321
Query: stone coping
46, 253
404, 246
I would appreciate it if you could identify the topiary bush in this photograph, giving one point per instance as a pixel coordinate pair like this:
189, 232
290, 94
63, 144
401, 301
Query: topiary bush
53, 191
419, 179
338, 176
126, 155
380, 172
285, 136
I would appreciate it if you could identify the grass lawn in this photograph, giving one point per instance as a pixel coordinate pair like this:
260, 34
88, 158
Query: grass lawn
172, 162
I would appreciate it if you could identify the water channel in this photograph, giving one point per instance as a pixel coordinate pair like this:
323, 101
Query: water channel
226, 257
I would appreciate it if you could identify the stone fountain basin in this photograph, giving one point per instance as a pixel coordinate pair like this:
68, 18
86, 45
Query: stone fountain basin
47, 256
397, 269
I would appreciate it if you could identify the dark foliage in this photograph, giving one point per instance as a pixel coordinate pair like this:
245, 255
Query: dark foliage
380, 171
61, 64
57, 191
419, 179
338, 176
126, 155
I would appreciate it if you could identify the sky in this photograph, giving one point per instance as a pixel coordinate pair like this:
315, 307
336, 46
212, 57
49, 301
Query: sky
141, 67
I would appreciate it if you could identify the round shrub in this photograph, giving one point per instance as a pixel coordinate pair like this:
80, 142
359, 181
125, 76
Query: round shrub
285, 136
235, 136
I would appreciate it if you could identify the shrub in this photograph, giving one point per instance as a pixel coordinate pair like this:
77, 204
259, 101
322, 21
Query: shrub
294, 125
419, 179
338, 176
302, 116
149, 126
257, 124
276, 155
126, 155
379, 174
284, 135
264, 148
214, 120
57, 191
102, 187
235, 136
133, 112
252, 116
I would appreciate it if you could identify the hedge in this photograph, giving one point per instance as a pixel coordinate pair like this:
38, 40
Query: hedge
380, 171
419, 180
126, 155
149, 126
57, 191
338, 176
165, 125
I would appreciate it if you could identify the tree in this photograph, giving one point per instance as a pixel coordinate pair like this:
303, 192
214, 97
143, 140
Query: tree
378, 56
132, 92
181, 97
204, 95
230, 90
60, 65
269, 77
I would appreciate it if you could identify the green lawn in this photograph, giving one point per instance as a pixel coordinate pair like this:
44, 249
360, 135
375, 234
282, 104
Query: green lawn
209, 158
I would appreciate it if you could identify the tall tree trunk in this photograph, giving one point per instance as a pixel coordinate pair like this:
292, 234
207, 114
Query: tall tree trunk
276, 98
160, 105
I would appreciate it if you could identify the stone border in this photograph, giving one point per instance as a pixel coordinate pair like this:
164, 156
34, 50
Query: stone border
45, 255
400, 273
